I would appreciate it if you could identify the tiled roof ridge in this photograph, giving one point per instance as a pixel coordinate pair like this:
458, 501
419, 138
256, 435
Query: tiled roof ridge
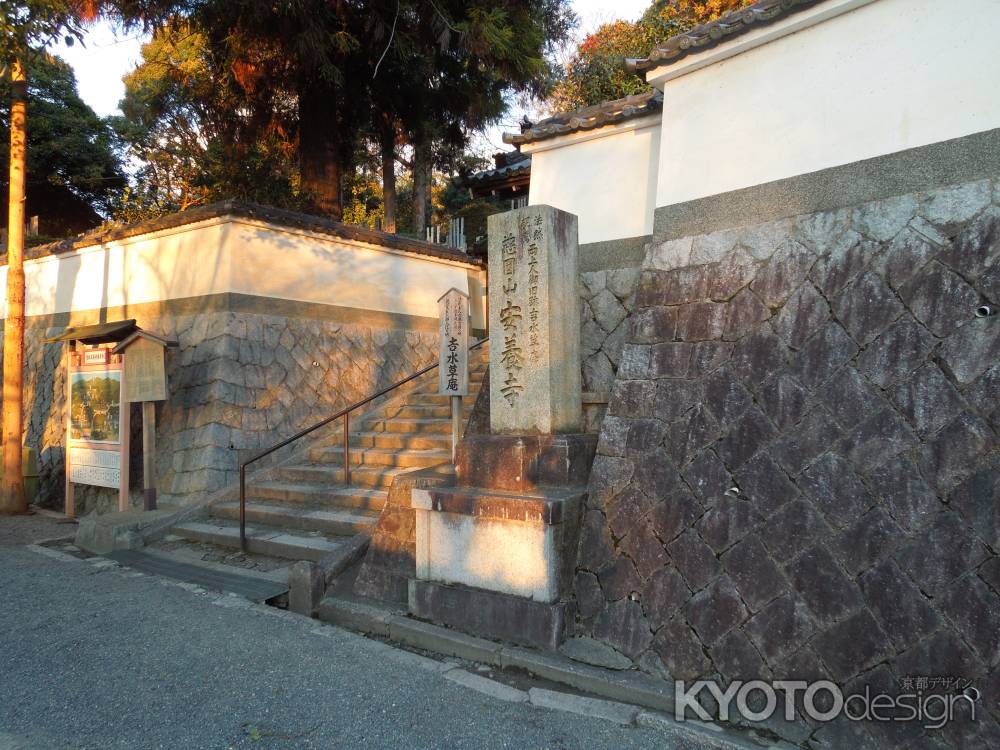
709, 34
515, 169
589, 118
248, 210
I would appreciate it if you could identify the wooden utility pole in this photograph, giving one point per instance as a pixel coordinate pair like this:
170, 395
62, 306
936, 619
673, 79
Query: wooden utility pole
12, 498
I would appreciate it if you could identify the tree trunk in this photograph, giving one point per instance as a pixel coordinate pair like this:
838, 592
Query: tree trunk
389, 178
12, 498
319, 147
421, 185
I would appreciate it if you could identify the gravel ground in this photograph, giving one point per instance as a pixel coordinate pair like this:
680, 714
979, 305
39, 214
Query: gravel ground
96, 657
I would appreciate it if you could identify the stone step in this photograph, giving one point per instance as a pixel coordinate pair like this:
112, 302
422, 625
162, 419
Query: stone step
404, 457
261, 540
401, 441
327, 474
328, 521
476, 379
331, 496
421, 411
410, 426
477, 371
435, 399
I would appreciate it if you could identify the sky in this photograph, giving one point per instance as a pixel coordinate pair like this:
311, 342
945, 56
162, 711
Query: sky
107, 54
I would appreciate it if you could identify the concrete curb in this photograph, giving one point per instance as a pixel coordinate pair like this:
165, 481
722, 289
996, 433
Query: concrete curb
623, 697
450, 643
308, 581
488, 687
356, 616
629, 687
620, 713
53, 553
708, 736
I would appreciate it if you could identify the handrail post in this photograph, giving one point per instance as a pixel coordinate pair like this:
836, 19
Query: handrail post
243, 508
347, 448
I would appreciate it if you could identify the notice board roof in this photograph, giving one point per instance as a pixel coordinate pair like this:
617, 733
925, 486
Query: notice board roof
101, 333
138, 333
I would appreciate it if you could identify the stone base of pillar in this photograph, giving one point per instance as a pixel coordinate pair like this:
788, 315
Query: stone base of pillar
524, 463
523, 545
495, 553
490, 614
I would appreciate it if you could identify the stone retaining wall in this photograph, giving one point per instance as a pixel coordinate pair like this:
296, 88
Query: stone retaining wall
606, 297
799, 473
239, 382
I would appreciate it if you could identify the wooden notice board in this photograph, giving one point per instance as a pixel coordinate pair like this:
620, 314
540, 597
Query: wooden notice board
146, 383
145, 371
97, 422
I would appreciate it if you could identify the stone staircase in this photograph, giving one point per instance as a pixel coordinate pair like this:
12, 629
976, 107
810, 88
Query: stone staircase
305, 511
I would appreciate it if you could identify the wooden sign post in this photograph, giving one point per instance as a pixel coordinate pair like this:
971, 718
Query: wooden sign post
453, 353
146, 383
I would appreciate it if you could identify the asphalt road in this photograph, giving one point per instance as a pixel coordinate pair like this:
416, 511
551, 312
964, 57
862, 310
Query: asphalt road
95, 658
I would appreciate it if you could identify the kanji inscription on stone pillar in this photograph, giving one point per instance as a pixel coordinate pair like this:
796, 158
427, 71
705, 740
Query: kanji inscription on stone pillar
535, 383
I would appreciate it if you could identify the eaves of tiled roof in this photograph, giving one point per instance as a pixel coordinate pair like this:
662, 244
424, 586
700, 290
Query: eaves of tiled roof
520, 168
589, 118
728, 26
253, 211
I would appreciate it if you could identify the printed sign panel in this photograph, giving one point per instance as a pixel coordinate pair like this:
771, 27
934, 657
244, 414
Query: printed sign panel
97, 467
95, 406
95, 357
145, 372
453, 352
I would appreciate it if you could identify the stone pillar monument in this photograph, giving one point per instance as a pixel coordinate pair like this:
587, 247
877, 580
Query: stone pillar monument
495, 552
535, 383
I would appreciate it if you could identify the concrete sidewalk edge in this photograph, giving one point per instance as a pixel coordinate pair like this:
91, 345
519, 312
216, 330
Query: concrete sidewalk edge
646, 701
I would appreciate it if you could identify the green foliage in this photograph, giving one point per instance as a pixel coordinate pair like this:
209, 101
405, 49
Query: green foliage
476, 212
456, 201
26, 26
73, 172
363, 204
310, 81
179, 124
596, 73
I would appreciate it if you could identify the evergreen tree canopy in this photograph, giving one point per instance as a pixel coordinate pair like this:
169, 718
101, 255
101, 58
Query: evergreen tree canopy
311, 80
180, 126
26, 26
73, 174
313, 77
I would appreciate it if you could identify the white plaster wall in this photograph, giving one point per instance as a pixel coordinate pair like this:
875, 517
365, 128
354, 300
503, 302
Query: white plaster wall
226, 255
185, 262
880, 78
606, 177
271, 261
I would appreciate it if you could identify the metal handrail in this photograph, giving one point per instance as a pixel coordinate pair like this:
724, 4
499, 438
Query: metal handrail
346, 414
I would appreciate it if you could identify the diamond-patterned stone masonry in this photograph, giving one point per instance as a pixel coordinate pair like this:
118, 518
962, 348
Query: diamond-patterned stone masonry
237, 380
805, 430
606, 298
